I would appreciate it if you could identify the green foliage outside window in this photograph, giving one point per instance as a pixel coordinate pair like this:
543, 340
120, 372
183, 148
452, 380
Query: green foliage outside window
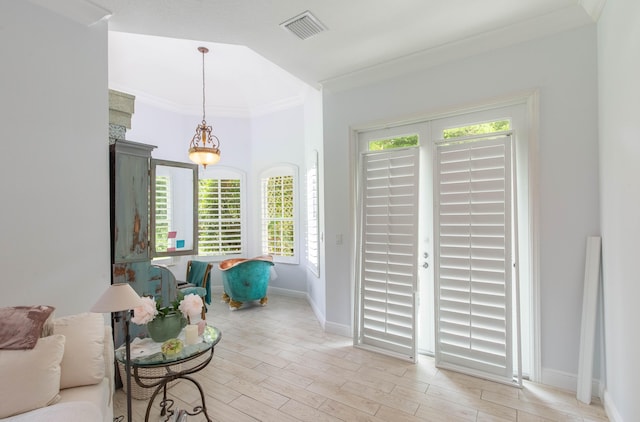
481, 128
400, 142
279, 215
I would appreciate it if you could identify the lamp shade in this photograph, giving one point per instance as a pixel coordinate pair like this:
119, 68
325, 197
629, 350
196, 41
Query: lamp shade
118, 297
204, 155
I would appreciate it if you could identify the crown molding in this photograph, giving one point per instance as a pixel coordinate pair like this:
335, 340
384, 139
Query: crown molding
278, 105
219, 111
552, 23
80, 11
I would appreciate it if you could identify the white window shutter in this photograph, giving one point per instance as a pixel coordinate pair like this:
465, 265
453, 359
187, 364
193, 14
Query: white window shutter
388, 271
473, 262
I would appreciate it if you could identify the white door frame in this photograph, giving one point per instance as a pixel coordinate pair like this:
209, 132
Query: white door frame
530, 100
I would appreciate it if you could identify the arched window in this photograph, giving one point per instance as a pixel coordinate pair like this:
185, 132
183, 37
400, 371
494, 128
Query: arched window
279, 215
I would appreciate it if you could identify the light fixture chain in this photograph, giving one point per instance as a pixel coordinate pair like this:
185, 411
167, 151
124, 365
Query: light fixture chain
203, 90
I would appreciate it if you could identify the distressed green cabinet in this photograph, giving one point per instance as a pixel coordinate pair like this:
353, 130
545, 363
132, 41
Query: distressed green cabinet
130, 201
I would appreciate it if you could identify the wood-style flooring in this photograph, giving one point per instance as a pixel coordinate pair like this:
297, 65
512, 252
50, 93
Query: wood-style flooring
275, 363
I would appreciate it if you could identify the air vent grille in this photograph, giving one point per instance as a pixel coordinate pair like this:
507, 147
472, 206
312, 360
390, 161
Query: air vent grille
304, 26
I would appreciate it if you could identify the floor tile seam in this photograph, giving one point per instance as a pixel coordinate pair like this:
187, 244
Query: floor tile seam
541, 410
259, 399
377, 400
340, 399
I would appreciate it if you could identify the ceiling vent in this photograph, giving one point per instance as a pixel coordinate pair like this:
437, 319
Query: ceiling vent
304, 26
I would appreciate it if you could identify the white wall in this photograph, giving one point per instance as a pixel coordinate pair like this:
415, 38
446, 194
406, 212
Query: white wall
54, 161
563, 68
313, 144
279, 137
171, 132
246, 144
619, 131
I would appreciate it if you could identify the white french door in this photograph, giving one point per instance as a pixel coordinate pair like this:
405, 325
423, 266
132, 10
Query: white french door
452, 279
474, 257
386, 316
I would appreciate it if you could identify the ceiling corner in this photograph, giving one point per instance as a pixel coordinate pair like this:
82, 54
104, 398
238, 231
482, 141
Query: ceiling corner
593, 8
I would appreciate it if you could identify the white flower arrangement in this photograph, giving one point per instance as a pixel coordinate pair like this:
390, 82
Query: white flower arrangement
189, 305
146, 312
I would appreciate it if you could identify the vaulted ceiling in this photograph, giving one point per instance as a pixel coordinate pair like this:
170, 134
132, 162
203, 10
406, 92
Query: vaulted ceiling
153, 42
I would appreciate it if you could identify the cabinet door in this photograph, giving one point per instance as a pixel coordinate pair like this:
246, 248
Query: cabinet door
130, 201
174, 208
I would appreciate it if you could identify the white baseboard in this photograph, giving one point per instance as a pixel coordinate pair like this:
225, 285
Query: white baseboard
568, 381
610, 408
287, 292
277, 290
339, 329
329, 327
316, 311
559, 379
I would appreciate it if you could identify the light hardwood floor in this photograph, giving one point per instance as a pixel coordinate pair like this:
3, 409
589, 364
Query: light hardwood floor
275, 363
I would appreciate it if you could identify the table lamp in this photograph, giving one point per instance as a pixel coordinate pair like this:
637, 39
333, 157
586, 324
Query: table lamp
120, 297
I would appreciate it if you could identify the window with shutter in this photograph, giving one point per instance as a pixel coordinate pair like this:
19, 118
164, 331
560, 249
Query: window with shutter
278, 214
220, 217
163, 212
313, 223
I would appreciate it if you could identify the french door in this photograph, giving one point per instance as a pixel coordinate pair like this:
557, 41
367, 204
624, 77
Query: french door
474, 257
447, 286
388, 269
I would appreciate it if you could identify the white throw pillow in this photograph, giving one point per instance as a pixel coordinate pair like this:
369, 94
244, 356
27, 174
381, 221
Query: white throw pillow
83, 361
30, 378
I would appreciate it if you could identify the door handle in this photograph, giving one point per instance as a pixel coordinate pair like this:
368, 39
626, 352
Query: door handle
425, 265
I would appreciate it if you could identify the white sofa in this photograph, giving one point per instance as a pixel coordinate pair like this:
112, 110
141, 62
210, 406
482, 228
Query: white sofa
81, 348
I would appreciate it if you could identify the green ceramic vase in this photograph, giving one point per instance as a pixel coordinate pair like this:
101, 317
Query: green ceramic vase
162, 329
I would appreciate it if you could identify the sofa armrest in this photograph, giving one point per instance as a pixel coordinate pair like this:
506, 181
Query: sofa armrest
109, 360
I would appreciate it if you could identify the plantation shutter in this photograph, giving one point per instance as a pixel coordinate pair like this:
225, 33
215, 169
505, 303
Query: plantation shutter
220, 217
473, 262
163, 212
388, 268
313, 226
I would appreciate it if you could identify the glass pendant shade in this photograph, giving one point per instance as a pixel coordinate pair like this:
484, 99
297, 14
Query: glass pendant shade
205, 146
207, 152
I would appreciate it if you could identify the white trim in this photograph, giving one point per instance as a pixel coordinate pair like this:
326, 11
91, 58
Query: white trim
558, 21
533, 115
339, 329
531, 100
559, 379
515, 98
316, 310
211, 110
610, 408
287, 292
568, 381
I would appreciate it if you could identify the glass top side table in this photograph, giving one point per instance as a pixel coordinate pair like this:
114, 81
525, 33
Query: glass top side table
191, 359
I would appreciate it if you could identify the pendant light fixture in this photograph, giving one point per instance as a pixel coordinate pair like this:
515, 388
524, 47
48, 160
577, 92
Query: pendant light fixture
204, 148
